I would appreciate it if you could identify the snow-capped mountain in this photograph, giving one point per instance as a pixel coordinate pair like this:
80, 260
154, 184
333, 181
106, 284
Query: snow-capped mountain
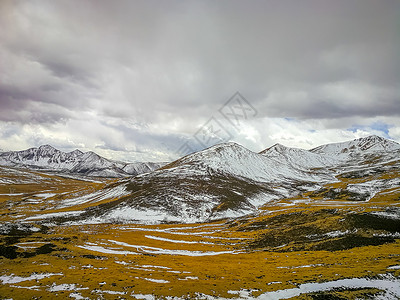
229, 180
141, 167
226, 180
76, 162
369, 144
222, 181
233, 159
300, 158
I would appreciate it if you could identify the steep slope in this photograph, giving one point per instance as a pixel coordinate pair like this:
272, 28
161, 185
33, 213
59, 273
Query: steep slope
44, 157
299, 158
228, 180
91, 162
236, 160
75, 162
225, 180
141, 167
369, 144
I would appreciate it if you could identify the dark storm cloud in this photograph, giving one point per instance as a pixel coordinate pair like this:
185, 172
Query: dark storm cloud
194, 51
339, 100
19, 106
167, 62
328, 108
66, 70
145, 139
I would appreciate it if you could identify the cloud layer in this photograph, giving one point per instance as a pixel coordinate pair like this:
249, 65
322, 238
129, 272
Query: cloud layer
134, 80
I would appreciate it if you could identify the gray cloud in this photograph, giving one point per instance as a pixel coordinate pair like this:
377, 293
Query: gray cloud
172, 64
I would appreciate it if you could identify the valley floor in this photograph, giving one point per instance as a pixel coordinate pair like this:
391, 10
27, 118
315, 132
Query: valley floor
301, 248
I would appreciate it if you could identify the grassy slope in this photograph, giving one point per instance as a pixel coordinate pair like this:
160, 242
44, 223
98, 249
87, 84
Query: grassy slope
287, 244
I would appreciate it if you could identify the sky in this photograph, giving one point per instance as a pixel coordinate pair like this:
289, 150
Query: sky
154, 80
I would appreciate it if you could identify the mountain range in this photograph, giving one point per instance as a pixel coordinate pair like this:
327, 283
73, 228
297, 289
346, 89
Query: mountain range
89, 163
323, 218
228, 180
225, 180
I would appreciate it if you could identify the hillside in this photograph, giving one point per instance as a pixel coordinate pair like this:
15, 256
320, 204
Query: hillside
228, 180
368, 145
300, 158
333, 238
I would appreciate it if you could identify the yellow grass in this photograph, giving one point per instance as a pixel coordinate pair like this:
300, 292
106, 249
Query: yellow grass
132, 270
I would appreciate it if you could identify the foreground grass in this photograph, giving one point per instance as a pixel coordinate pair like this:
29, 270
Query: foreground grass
306, 239
140, 270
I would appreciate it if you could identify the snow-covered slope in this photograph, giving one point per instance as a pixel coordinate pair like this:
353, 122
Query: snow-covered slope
299, 158
228, 180
369, 144
233, 159
333, 154
45, 156
89, 163
141, 167
225, 180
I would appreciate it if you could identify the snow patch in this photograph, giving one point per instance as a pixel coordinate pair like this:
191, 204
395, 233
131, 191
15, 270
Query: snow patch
105, 250
391, 287
65, 287
153, 280
56, 215
174, 241
394, 267
153, 250
143, 296
7, 279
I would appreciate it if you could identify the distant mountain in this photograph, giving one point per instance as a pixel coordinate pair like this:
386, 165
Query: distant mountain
76, 162
369, 144
228, 180
233, 159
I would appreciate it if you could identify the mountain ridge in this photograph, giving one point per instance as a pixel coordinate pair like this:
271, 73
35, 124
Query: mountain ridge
301, 158
371, 143
234, 159
227, 157
89, 163
229, 180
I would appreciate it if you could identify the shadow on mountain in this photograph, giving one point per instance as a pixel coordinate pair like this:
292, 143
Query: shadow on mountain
325, 229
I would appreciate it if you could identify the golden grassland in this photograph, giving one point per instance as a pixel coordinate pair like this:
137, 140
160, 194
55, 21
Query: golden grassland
22, 193
180, 274
260, 253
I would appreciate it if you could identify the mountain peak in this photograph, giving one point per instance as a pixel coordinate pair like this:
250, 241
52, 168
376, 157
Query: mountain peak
46, 150
372, 143
76, 162
228, 149
223, 154
76, 152
226, 146
47, 147
375, 138
276, 147
91, 154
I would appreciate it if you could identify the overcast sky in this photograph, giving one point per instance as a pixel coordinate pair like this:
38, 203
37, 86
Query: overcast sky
141, 80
